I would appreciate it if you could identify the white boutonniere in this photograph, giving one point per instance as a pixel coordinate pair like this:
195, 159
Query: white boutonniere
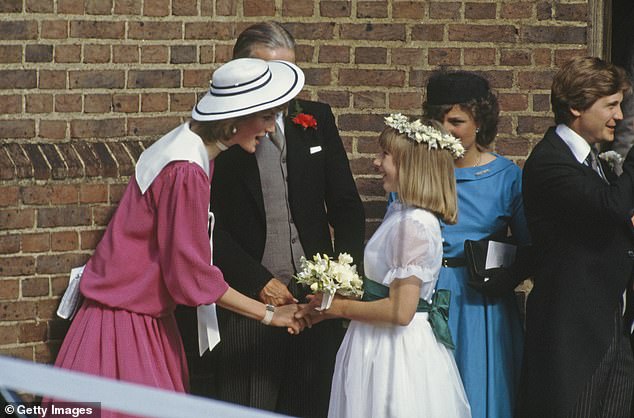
613, 158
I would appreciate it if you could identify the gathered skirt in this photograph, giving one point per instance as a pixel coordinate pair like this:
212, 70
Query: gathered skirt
396, 371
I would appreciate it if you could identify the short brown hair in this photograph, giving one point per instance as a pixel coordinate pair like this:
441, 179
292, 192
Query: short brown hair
268, 34
582, 81
425, 176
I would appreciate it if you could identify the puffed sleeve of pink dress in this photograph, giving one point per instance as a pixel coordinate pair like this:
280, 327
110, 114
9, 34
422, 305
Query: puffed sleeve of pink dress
154, 255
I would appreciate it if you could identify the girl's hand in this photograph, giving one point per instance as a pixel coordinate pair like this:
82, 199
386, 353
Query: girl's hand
284, 316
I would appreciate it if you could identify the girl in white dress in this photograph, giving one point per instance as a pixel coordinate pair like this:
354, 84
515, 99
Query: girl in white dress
392, 363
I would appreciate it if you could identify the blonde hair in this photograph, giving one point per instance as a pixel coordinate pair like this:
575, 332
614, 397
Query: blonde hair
425, 176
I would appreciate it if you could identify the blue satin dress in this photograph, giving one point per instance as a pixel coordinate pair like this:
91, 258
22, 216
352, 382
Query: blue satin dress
487, 332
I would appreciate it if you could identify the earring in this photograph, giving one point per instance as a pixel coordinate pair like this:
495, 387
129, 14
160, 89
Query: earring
234, 130
477, 131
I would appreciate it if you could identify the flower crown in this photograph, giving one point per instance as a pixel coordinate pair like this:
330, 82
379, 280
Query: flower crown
419, 132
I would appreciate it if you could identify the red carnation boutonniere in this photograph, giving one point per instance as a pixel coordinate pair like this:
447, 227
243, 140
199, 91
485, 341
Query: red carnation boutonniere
305, 121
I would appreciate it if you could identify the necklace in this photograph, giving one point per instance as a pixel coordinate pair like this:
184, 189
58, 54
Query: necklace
477, 163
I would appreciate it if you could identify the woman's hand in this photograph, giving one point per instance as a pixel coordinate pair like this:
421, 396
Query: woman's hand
284, 316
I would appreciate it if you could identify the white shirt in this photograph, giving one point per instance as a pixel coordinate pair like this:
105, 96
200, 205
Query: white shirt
579, 146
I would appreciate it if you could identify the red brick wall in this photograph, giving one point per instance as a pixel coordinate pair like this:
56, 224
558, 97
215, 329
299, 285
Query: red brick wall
85, 85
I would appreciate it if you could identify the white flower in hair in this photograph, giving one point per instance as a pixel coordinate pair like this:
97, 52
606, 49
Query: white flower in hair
419, 132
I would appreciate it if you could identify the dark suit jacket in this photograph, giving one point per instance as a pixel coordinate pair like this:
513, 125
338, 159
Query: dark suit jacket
581, 231
321, 192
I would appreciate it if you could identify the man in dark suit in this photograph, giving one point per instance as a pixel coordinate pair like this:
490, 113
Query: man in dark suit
271, 208
577, 358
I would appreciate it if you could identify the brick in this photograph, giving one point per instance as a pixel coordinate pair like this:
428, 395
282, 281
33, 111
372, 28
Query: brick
38, 53
39, 103
55, 161
533, 124
153, 78
405, 101
335, 8
96, 54
418, 78
259, 8
542, 56
11, 6
23, 167
375, 32
123, 54
9, 195
513, 102
19, 266
35, 195
97, 128
33, 331
108, 164
371, 9
479, 56
532, 80
426, 32
553, 34
334, 98
181, 102
9, 288
363, 122
223, 7
224, 53
512, 146
572, 12
126, 103
64, 194
67, 53
64, 241
304, 53
515, 57
318, 76
361, 165
124, 162
444, 56
18, 79
387, 78
544, 10
210, 30
370, 187
154, 30
98, 7
498, 79
18, 30
408, 10
98, 103
94, 29
101, 215
18, 128
75, 7
196, 78
8, 333
128, 7
10, 54
17, 219
10, 104
445, 10
39, 6
46, 308
135, 149
46, 353
407, 56
34, 243
483, 33
74, 166
106, 79
370, 55
54, 29
93, 193
59, 263
52, 79
184, 8
334, 53
297, 8
32, 287
516, 10
24, 352
151, 126
183, 54
154, 102
564, 55
90, 239
368, 99
206, 54
541, 102
9, 244
63, 216
91, 163
68, 103
156, 8
475, 11
375, 209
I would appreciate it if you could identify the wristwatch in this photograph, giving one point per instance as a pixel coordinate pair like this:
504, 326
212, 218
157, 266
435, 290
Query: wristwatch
268, 316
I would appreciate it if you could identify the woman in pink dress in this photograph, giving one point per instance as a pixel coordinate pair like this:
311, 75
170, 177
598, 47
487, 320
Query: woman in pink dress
156, 252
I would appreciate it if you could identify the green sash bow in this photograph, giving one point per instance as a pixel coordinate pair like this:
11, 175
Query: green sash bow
438, 310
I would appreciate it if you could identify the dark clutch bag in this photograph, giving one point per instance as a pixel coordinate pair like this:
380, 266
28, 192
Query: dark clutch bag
476, 253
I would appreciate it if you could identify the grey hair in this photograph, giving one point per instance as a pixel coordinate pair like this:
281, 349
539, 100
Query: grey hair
271, 35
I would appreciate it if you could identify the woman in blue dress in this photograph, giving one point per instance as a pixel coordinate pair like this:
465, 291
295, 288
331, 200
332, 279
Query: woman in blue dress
487, 330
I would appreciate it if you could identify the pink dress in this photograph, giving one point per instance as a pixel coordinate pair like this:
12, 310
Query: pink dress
154, 255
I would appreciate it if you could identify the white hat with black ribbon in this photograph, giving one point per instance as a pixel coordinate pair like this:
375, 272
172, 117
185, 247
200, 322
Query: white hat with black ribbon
248, 85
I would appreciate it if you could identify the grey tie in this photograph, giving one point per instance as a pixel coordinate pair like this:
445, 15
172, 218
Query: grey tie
592, 161
277, 137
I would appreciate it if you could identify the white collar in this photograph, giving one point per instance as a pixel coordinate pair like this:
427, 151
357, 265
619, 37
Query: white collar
180, 144
579, 146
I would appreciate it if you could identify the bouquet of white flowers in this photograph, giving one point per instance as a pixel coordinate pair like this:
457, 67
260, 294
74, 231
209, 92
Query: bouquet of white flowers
329, 276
